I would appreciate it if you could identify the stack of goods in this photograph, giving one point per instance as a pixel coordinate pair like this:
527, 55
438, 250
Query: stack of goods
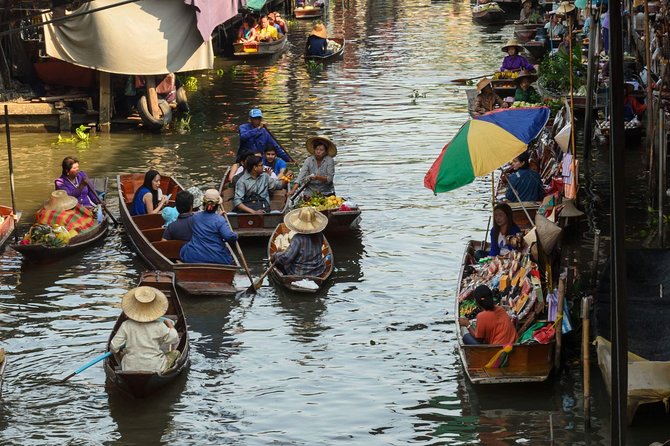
505, 74
50, 236
322, 203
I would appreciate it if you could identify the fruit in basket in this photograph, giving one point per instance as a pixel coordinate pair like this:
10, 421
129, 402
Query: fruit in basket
322, 203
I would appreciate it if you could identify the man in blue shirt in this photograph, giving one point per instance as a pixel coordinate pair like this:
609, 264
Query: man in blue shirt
277, 165
254, 137
182, 228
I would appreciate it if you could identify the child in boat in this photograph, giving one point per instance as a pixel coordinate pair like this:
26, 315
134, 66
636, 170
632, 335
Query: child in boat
493, 325
503, 227
141, 337
304, 255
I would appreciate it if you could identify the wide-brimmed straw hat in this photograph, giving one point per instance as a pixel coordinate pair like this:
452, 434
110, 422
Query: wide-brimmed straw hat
320, 31
144, 304
548, 233
565, 7
212, 196
331, 148
60, 201
526, 75
483, 83
306, 220
512, 42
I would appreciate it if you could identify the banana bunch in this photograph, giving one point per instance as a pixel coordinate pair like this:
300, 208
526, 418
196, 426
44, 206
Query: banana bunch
506, 74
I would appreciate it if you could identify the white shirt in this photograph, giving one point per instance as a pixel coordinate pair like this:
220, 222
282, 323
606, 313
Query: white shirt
143, 341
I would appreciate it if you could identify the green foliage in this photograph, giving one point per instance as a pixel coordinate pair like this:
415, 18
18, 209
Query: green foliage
183, 125
555, 70
80, 137
314, 67
190, 83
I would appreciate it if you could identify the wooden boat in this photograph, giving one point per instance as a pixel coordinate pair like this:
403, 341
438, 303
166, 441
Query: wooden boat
525, 32
8, 223
329, 57
308, 12
253, 225
526, 362
287, 281
145, 233
341, 222
260, 49
45, 254
488, 14
141, 384
536, 49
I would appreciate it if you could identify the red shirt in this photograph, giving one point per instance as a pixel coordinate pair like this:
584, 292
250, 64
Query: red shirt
495, 327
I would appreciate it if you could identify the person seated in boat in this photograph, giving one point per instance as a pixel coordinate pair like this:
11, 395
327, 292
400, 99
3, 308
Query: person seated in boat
252, 190
149, 198
277, 165
182, 227
503, 228
631, 106
266, 32
527, 14
281, 22
142, 338
254, 136
75, 182
524, 180
493, 325
317, 42
247, 32
237, 169
487, 100
514, 61
524, 91
319, 168
554, 26
210, 232
304, 254
273, 22
197, 197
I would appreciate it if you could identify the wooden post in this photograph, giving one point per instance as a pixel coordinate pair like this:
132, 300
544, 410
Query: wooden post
592, 72
586, 360
559, 324
105, 113
596, 257
152, 97
648, 81
662, 153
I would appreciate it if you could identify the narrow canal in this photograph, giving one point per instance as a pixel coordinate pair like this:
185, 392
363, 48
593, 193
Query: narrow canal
369, 361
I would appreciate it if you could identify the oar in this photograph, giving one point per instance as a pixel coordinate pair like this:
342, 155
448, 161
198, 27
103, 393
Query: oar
465, 81
11, 170
279, 144
300, 189
242, 259
90, 186
257, 284
84, 367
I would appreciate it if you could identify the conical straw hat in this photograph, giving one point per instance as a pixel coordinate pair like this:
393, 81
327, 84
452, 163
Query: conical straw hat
569, 209
512, 42
306, 220
565, 7
144, 304
331, 148
548, 233
483, 83
60, 201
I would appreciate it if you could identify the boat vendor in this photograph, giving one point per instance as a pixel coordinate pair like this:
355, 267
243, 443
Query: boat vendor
254, 136
493, 325
524, 91
554, 26
527, 11
304, 255
252, 190
318, 43
318, 169
210, 234
75, 182
487, 100
143, 336
631, 106
182, 227
524, 180
514, 61
503, 228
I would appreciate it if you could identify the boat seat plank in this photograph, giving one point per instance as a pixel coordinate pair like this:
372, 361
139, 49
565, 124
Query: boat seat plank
169, 248
148, 221
154, 234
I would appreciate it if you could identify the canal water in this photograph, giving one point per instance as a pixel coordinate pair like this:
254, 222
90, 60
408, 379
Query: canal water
371, 359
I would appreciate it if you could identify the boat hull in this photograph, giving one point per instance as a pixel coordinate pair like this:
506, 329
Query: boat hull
8, 224
43, 254
262, 49
310, 13
330, 57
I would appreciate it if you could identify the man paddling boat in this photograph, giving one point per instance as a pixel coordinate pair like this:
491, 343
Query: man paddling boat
254, 137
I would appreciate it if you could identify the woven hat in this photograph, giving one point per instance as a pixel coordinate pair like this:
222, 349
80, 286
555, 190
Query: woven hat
60, 201
319, 31
331, 148
197, 196
306, 220
569, 209
565, 8
512, 42
526, 75
483, 83
211, 196
144, 304
548, 233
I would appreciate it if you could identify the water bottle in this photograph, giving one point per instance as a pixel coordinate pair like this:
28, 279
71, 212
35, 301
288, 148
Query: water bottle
99, 216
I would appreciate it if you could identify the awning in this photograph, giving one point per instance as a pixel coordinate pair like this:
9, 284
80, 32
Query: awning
147, 37
211, 13
256, 5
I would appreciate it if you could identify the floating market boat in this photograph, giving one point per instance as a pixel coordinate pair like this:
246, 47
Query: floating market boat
488, 14
43, 254
141, 384
259, 49
328, 57
525, 32
288, 281
308, 12
8, 223
531, 362
342, 220
145, 233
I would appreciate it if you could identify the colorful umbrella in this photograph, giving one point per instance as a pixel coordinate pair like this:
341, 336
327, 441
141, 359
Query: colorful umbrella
483, 144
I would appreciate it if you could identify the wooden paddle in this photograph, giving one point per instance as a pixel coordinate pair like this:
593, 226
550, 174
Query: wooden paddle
465, 81
90, 186
87, 365
291, 160
242, 259
257, 284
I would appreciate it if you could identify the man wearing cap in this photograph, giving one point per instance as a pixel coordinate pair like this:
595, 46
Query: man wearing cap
304, 255
487, 99
182, 227
254, 137
493, 325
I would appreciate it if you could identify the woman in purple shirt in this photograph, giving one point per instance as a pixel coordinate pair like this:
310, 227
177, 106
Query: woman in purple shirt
513, 61
75, 182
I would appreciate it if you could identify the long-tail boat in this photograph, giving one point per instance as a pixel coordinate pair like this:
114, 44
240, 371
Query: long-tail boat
146, 231
141, 384
259, 49
287, 281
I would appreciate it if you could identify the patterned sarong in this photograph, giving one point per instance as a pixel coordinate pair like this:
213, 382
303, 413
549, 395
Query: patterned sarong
78, 218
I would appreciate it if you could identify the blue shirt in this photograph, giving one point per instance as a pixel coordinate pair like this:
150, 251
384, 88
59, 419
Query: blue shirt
256, 139
207, 243
528, 185
317, 46
138, 207
495, 246
279, 164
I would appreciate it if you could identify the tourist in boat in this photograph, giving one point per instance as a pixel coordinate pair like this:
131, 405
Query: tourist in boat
143, 338
503, 228
149, 198
524, 91
210, 231
266, 32
276, 165
487, 100
75, 182
252, 190
182, 227
238, 169
281, 22
304, 254
318, 169
527, 11
247, 33
493, 325
514, 61
273, 22
524, 180
254, 136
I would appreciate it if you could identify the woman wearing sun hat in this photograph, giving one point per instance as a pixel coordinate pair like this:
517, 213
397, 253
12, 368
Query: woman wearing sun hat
304, 255
140, 338
524, 91
487, 100
513, 61
317, 42
318, 169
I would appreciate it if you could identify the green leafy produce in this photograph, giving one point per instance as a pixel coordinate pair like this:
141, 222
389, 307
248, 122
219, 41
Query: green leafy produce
555, 71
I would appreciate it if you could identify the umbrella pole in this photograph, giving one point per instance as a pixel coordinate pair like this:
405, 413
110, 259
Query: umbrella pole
493, 190
525, 211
